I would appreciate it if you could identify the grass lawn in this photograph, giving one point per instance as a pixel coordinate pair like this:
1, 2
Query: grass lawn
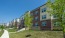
1, 32
38, 34
12, 30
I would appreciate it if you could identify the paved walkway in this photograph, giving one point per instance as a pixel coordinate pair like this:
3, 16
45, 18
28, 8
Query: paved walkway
5, 34
18, 30
21, 30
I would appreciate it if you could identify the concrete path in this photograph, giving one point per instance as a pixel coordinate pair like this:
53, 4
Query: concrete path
18, 30
21, 30
5, 34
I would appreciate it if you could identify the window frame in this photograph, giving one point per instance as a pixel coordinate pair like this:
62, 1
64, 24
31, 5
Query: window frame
44, 23
44, 16
36, 12
44, 9
36, 24
36, 18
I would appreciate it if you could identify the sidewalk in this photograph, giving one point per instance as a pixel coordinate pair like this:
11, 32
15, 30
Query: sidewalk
5, 34
21, 30
18, 30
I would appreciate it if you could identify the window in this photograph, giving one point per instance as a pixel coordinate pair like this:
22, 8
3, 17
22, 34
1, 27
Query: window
44, 10
36, 12
36, 18
56, 23
36, 24
54, 16
43, 23
43, 16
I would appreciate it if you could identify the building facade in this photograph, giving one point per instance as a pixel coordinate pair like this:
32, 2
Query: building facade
36, 18
42, 20
21, 22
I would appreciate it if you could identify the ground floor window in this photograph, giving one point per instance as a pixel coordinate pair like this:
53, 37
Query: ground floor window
36, 24
43, 23
56, 23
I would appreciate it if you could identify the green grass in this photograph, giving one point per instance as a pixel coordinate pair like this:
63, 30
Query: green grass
12, 30
38, 34
1, 32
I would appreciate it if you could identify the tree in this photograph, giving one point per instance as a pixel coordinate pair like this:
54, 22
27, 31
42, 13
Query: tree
2, 27
28, 20
58, 9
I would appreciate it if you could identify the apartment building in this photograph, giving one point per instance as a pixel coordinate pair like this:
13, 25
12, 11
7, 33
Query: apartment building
36, 18
21, 25
42, 20
13, 23
18, 23
9, 25
45, 18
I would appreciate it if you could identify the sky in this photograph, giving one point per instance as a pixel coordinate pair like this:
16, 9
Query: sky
12, 9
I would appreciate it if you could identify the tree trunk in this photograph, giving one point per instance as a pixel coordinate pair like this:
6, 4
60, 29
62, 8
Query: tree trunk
28, 34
